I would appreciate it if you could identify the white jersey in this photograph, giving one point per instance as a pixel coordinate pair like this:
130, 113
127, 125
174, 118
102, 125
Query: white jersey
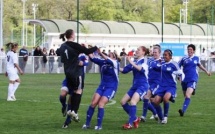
12, 58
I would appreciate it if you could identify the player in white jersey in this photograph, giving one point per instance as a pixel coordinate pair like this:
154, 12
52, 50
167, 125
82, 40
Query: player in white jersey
11, 71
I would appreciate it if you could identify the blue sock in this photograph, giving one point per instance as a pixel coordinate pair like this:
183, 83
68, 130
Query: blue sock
166, 109
159, 112
62, 100
90, 113
186, 104
100, 116
132, 114
145, 107
126, 107
152, 108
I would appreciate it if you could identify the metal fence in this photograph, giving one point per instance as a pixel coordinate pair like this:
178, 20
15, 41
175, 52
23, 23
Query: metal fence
36, 64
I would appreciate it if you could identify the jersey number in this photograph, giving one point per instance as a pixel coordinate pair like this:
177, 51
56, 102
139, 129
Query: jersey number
66, 52
8, 58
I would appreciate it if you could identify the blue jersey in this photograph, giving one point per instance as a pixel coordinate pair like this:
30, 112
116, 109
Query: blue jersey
169, 71
82, 57
154, 75
139, 77
64, 83
189, 65
109, 70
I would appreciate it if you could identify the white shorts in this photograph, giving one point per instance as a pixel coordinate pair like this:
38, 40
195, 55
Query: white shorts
13, 76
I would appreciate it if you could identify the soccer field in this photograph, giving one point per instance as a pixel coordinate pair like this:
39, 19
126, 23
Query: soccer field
38, 110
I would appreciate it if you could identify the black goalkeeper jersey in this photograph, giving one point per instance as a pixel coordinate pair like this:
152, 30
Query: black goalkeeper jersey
69, 52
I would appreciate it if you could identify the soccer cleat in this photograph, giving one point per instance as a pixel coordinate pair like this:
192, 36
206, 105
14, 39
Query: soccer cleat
13, 97
98, 128
73, 115
136, 122
127, 126
164, 121
193, 93
143, 119
10, 99
63, 110
85, 126
66, 124
181, 112
154, 117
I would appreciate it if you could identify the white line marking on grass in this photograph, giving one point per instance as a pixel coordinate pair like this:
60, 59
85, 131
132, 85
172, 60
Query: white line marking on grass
112, 102
200, 114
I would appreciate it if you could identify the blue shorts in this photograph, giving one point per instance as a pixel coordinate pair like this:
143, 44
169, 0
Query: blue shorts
108, 92
153, 87
161, 91
186, 85
141, 90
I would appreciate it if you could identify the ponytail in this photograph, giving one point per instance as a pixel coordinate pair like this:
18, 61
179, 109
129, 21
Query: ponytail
68, 34
62, 36
11, 45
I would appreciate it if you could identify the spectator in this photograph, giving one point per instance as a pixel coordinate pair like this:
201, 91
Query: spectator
23, 58
51, 60
109, 51
104, 52
203, 57
37, 54
2, 60
44, 60
32, 51
60, 64
131, 53
123, 53
212, 63
151, 50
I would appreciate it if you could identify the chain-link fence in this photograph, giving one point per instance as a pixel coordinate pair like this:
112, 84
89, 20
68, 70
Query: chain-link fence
37, 64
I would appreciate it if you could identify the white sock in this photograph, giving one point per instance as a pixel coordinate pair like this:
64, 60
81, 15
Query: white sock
15, 86
58, 70
10, 90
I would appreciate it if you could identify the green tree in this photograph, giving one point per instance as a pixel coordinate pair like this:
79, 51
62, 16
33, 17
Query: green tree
98, 10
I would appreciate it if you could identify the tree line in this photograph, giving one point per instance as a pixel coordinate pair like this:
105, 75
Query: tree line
199, 11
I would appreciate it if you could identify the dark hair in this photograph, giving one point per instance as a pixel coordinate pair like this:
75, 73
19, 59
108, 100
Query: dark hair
168, 51
192, 46
68, 34
145, 50
157, 45
11, 45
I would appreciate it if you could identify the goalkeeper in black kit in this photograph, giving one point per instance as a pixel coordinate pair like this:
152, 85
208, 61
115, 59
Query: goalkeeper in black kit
69, 53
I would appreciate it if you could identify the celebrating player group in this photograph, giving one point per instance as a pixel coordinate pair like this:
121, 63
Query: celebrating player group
154, 81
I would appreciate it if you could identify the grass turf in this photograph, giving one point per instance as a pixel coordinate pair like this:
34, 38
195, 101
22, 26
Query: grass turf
38, 110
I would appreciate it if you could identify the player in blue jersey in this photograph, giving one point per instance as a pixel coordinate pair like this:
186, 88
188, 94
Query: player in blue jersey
189, 64
167, 87
139, 87
154, 77
109, 69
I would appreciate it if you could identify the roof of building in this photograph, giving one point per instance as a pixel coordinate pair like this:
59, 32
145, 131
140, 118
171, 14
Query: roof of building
124, 27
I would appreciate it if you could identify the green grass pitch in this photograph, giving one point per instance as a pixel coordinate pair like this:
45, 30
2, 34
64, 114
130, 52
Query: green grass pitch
38, 110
